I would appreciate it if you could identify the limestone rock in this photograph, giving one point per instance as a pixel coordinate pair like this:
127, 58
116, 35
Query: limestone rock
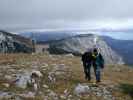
81, 89
11, 43
37, 73
77, 45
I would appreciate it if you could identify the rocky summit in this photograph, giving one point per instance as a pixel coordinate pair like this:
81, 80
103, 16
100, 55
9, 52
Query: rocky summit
81, 43
60, 77
12, 43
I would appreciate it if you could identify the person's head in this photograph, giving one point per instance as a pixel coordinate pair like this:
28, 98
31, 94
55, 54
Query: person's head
95, 51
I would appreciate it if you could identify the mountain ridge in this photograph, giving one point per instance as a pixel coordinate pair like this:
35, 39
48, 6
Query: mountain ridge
12, 43
121, 48
77, 45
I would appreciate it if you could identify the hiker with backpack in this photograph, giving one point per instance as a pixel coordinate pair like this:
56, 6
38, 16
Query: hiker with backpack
93, 57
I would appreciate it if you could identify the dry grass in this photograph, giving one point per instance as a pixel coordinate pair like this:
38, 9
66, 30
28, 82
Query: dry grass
110, 74
74, 63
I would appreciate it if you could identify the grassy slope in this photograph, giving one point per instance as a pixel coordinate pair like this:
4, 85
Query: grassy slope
112, 74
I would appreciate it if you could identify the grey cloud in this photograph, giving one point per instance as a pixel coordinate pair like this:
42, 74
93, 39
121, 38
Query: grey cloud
59, 13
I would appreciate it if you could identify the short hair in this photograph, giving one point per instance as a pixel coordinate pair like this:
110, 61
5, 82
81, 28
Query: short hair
95, 50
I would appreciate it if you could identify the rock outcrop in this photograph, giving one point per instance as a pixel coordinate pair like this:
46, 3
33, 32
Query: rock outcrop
11, 43
80, 43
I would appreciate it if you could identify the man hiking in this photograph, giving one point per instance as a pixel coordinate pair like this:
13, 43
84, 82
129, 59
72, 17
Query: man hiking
87, 62
93, 57
98, 64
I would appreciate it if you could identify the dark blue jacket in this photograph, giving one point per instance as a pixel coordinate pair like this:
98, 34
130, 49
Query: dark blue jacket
98, 60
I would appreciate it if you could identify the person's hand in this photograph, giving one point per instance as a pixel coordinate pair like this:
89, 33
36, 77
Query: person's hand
102, 67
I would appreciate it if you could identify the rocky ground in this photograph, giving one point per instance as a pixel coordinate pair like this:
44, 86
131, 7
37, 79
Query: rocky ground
59, 77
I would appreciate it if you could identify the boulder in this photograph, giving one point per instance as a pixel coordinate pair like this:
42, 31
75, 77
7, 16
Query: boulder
30, 78
81, 89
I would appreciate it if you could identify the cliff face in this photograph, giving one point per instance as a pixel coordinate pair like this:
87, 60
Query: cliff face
10, 43
122, 47
79, 44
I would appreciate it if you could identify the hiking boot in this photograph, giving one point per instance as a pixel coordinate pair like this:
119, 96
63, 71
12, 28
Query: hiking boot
88, 79
98, 81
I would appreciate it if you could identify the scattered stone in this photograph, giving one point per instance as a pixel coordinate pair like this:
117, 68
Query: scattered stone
65, 91
37, 73
44, 69
45, 86
46, 98
45, 65
35, 87
69, 55
22, 80
17, 98
70, 96
8, 77
6, 85
63, 97
6, 95
53, 95
81, 89
26, 78
28, 95
51, 77
98, 94
59, 72
100, 91
48, 90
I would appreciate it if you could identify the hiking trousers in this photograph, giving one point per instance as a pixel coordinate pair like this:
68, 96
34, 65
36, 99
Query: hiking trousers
97, 71
87, 68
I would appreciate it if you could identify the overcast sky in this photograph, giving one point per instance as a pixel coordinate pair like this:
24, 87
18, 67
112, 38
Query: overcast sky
66, 14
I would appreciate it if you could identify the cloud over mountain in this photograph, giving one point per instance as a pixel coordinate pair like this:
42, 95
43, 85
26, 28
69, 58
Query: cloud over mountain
66, 14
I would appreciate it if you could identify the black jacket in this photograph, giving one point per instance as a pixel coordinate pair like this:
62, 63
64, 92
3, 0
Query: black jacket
87, 57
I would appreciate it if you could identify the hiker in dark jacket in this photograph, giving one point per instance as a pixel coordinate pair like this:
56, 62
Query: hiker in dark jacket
98, 64
87, 62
